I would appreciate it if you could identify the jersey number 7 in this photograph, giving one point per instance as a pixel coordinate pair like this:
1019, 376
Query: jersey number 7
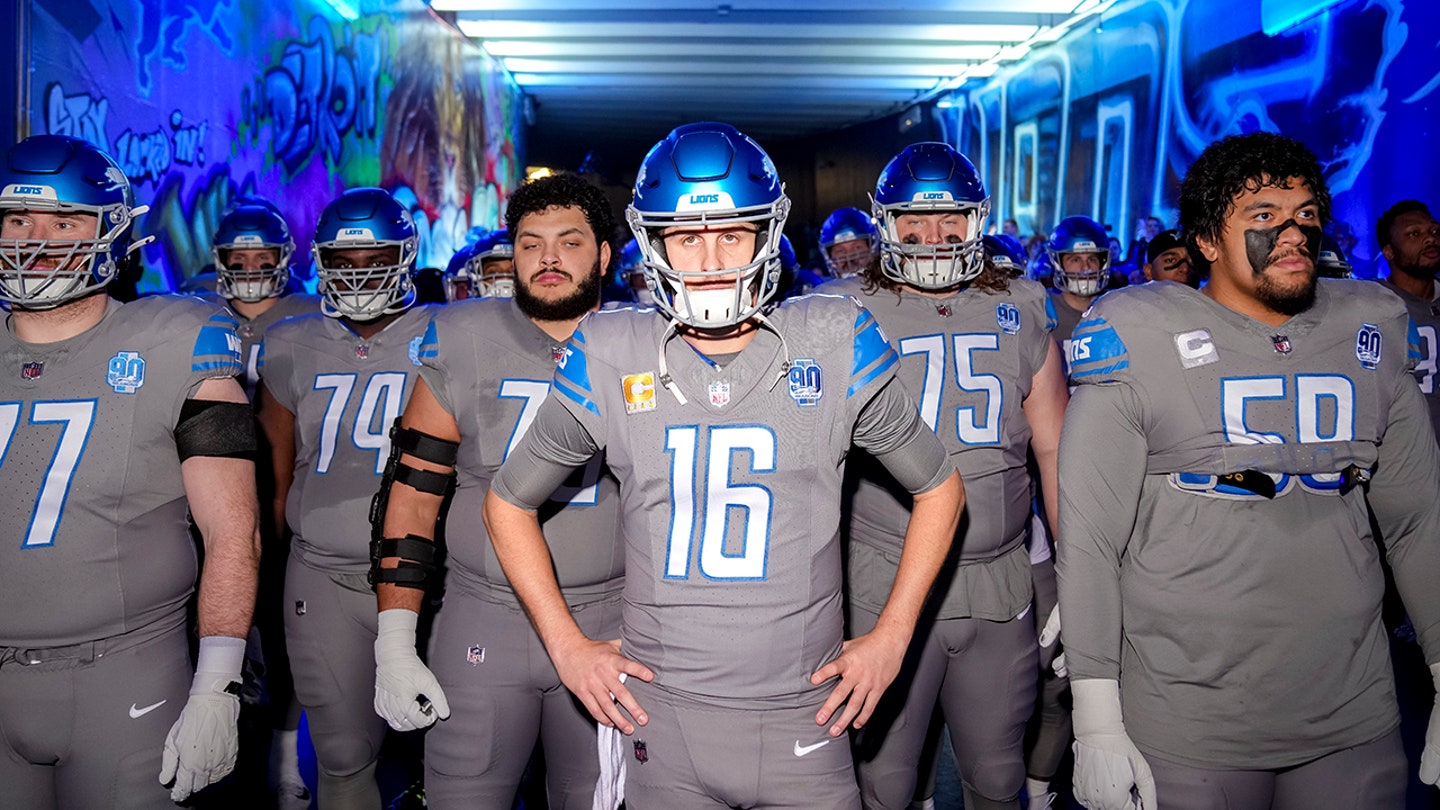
77, 417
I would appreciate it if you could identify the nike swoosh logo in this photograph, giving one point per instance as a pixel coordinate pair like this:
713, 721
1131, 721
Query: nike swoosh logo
802, 750
137, 713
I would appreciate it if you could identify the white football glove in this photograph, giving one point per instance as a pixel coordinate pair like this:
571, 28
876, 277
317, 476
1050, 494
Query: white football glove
1110, 773
1430, 757
202, 745
406, 692
1050, 634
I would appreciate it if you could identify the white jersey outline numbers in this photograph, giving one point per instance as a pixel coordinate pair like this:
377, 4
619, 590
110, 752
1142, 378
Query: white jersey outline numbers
1427, 365
721, 495
968, 429
78, 417
387, 387
532, 393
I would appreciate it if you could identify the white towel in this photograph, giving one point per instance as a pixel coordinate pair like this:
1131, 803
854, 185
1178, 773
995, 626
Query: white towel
610, 747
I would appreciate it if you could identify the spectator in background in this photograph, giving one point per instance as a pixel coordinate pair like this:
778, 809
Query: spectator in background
1344, 236
1145, 230
1010, 228
1167, 259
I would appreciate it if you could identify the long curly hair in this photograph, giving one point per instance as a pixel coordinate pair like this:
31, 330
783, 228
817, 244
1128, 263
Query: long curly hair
1237, 164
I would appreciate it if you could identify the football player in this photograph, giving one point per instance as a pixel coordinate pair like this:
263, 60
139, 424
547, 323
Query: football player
115, 419
727, 421
1410, 241
493, 265
630, 271
1006, 253
252, 250
849, 242
487, 368
458, 281
1221, 590
976, 353
1079, 253
332, 382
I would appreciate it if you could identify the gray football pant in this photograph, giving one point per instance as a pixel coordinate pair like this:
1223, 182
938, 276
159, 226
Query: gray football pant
330, 628
698, 756
1370, 776
983, 674
1051, 721
85, 727
504, 693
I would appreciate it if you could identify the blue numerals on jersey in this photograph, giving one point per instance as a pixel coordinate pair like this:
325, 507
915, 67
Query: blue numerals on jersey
1425, 369
973, 425
580, 488
703, 492
383, 396
1323, 406
76, 418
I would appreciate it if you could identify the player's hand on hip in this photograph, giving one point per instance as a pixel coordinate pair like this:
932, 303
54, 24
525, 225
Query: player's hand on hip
1430, 757
203, 743
592, 671
866, 667
1110, 772
407, 695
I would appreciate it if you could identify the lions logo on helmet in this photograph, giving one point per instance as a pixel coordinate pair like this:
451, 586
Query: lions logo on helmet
252, 227
56, 174
365, 219
849, 241
930, 178
709, 175
1079, 235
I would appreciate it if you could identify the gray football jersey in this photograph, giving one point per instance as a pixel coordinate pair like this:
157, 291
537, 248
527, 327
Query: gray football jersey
490, 367
345, 392
729, 502
252, 330
968, 360
94, 507
1251, 622
1426, 315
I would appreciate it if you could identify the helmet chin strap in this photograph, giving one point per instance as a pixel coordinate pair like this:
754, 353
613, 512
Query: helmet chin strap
673, 328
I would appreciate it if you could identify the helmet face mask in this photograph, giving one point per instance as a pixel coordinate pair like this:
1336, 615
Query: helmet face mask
709, 177
927, 179
1083, 236
1006, 253
252, 228
352, 230
848, 241
52, 178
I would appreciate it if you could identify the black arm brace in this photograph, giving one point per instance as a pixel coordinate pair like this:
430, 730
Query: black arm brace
417, 555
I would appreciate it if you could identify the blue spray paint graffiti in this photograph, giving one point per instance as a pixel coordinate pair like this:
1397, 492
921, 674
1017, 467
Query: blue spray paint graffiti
79, 116
163, 33
319, 93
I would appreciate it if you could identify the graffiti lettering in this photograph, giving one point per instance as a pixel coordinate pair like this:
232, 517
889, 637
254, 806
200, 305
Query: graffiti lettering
144, 156
319, 93
189, 141
79, 116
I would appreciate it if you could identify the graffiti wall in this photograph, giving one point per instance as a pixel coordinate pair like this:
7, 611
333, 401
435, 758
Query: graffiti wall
204, 100
1106, 121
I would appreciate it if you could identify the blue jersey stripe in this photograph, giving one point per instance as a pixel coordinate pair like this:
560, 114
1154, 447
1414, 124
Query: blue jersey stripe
886, 365
870, 343
1090, 372
430, 342
210, 365
563, 386
1052, 320
573, 367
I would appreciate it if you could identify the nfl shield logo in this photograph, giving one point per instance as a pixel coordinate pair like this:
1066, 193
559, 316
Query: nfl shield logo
641, 754
944, 310
362, 351
475, 655
32, 371
1367, 346
1282, 343
1007, 315
719, 393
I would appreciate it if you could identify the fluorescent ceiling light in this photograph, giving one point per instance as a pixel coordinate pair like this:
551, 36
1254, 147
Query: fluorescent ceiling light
728, 49
527, 29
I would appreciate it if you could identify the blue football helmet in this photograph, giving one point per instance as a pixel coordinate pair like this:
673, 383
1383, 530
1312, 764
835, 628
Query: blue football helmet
458, 283
1006, 253
252, 227
1083, 235
788, 259
493, 279
848, 225
1332, 263
365, 219
630, 271
709, 175
929, 178
55, 174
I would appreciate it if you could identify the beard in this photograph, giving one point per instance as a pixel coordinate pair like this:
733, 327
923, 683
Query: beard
1291, 301
585, 298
